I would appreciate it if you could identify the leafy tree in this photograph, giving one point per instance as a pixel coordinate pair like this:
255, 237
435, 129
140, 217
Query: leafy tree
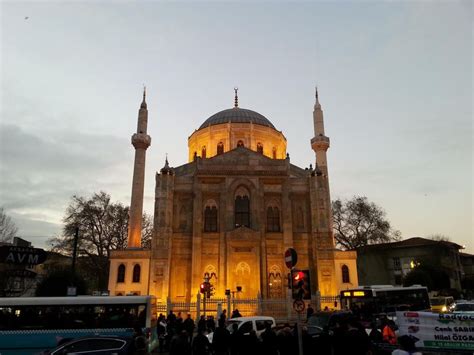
57, 282
103, 227
8, 229
439, 238
358, 222
428, 274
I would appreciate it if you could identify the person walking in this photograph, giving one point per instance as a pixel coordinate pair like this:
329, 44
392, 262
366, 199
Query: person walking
221, 339
309, 311
161, 332
180, 344
223, 316
407, 346
235, 314
139, 345
388, 333
188, 326
269, 340
202, 324
201, 345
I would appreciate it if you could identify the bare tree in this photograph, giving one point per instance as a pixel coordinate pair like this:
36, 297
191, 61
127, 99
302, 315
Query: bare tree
8, 229
103, 227
358, 222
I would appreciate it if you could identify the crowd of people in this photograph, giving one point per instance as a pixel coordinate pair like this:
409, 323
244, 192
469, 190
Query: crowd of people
181, 336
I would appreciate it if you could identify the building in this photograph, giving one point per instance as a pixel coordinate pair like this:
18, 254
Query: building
20, 268
229, 214
388, 263
467, 262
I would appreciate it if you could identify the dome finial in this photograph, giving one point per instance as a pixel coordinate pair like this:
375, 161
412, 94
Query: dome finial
236, 98
316, 94
143, 105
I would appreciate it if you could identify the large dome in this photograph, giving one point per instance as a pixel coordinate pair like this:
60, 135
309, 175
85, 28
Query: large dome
237, 115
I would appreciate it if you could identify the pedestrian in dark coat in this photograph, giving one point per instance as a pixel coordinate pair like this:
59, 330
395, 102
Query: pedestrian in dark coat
269, 340
235, 340
202, 324
180, 344
221, 340
210, 323
201, 345
309, 311
188, 326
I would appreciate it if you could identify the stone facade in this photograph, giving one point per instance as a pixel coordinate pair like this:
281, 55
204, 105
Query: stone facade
230, 214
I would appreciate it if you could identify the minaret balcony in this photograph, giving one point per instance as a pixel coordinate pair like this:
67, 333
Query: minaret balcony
141, 140
320, 142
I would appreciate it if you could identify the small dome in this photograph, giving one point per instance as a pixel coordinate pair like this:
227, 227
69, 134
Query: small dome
237, 115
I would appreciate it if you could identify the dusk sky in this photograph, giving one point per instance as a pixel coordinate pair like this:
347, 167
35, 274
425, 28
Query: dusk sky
394, 78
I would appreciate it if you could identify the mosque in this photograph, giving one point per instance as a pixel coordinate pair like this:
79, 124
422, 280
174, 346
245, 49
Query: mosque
230, 213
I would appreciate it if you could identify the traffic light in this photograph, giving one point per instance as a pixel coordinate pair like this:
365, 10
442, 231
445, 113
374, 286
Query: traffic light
206, 288
300, 286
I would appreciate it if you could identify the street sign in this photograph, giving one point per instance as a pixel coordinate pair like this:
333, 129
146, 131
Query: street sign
22, 255
72, 291
299, 306
291, 258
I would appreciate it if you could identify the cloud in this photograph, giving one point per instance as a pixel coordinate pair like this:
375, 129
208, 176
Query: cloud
40, 172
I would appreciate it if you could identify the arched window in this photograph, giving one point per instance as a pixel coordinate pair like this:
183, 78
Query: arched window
203, 152
273, 219
242, 211
240, 144
345, 274
259, 148
220, 148
121, 273
210, 219
136, 273
275, 289
274, 153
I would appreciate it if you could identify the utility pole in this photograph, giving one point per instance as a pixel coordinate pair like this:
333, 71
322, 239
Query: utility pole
74, 252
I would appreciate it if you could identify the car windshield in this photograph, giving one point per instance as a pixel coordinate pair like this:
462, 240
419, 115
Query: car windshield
320, 320
231, 322
437, 301
464, 307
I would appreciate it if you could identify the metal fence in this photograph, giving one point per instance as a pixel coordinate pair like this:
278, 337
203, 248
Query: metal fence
281, 309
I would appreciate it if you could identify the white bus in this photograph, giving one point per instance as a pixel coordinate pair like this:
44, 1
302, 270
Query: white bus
369, 301
29, 325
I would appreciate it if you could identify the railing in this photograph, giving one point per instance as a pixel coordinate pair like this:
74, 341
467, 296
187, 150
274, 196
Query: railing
281, 309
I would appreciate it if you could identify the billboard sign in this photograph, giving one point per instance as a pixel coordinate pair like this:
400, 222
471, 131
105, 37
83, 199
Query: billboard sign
454, 331
22, 255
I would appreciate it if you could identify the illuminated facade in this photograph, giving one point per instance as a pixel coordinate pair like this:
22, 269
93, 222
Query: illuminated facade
231, 212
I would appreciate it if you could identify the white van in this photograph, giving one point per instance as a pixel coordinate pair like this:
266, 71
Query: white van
246, 324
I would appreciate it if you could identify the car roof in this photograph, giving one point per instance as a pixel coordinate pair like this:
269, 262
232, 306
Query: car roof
252, 318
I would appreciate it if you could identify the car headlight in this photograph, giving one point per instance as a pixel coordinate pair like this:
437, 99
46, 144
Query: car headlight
444, 309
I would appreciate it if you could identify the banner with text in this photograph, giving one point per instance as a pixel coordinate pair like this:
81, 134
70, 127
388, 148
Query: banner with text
438, 330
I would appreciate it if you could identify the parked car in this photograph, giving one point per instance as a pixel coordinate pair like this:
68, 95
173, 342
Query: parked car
321, 321
464, 307
442, 304
246, 324
94, 345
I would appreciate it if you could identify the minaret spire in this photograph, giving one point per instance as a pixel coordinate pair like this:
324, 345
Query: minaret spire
320, 143
141, 141
236, 98
143, 105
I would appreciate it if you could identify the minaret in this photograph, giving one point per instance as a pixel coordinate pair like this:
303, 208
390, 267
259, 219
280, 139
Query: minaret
320, 143
141, 141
